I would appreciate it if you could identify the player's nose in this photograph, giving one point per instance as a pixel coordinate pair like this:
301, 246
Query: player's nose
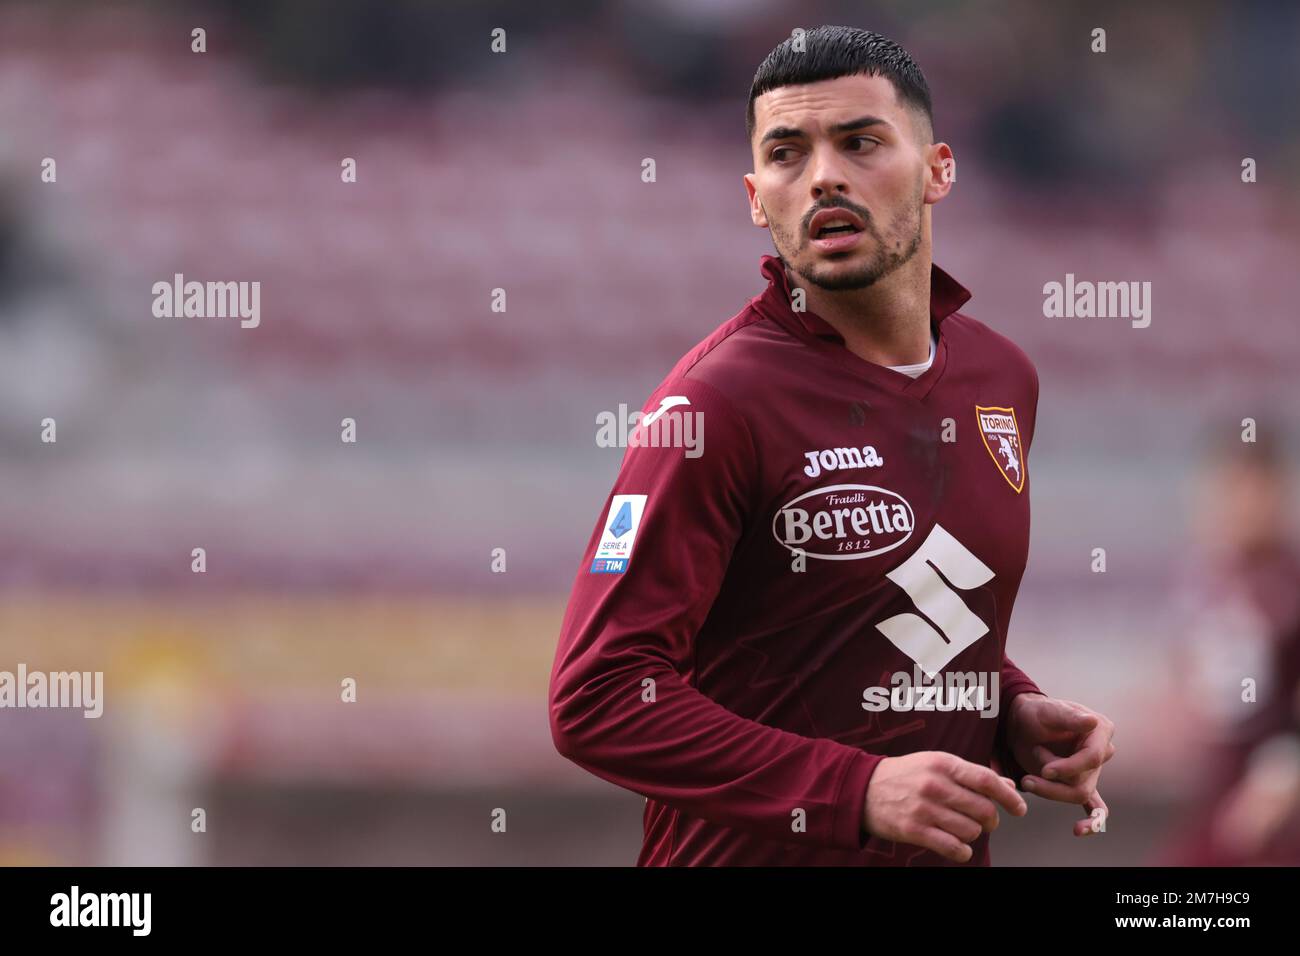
827, 171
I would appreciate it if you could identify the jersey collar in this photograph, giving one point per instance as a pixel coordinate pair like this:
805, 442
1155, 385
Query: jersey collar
947, 295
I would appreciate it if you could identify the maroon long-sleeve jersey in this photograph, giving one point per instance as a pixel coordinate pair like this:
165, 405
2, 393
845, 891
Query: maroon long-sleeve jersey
806, 564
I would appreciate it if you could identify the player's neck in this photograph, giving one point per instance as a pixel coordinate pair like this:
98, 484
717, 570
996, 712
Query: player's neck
887, 323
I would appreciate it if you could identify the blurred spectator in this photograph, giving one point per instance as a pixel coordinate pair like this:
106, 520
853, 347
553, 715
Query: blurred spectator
1241, 604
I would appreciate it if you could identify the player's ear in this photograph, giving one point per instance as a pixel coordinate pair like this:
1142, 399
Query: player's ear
756, 212
941, 172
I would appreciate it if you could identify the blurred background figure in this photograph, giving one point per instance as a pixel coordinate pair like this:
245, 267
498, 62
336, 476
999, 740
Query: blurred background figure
1238, 656
430, 561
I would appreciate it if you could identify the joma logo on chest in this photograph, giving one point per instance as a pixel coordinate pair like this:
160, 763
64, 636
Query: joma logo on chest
836, 459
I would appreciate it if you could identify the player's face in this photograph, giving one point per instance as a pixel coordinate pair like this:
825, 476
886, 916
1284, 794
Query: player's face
845, 144
1241, 507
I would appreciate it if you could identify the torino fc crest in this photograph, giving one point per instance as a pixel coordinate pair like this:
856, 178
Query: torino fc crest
1001, 437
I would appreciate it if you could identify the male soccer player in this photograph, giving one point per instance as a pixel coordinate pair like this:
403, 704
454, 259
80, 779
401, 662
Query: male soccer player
791, 637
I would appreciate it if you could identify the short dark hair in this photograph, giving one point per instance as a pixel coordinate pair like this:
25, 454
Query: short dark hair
830, 52
1266, 453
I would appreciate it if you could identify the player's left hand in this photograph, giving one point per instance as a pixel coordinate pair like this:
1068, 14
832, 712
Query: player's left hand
1062, 745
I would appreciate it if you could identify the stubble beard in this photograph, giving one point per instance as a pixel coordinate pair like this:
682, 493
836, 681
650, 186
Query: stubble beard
886, 261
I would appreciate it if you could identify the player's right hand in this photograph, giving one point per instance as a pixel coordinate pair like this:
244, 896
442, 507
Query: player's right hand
938, 801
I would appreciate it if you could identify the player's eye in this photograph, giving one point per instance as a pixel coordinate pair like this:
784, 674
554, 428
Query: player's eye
867, 144
777, 155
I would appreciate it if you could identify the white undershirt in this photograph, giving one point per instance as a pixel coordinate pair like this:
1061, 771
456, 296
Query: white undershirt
912, 371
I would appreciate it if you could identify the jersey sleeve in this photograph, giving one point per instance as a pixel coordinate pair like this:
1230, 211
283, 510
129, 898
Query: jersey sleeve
1012, 683
1033, 421
620, 705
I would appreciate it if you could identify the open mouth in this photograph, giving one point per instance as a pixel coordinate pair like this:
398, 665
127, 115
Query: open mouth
834, 227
